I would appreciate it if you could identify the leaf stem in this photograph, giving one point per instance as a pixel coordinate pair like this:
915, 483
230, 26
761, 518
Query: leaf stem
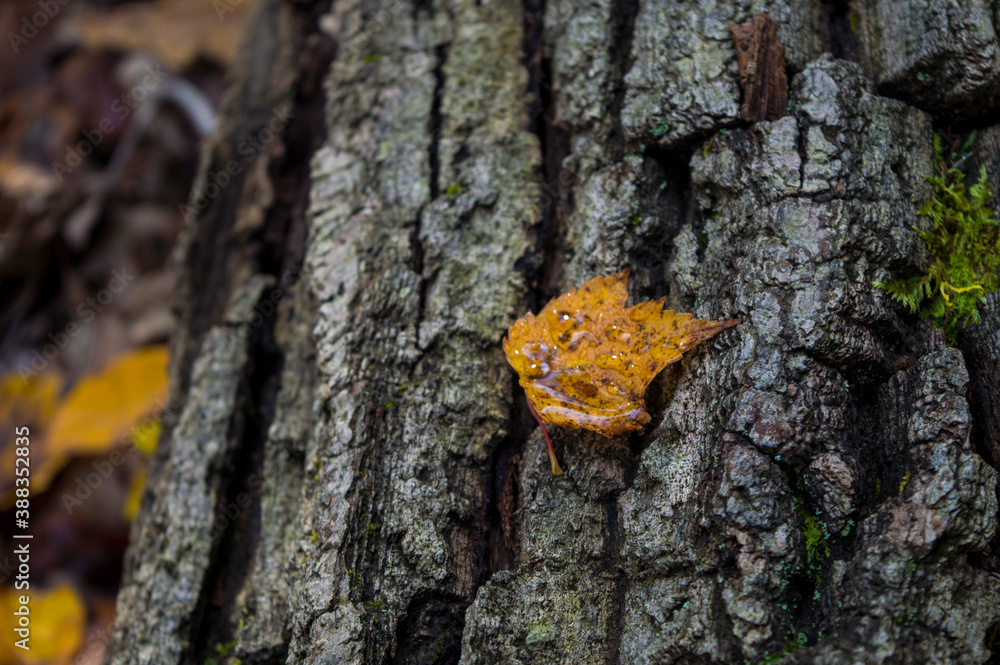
556, 471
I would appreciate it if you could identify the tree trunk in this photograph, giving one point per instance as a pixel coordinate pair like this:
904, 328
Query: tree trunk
348, 471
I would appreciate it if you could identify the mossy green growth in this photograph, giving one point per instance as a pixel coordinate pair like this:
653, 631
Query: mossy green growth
905, 481
965, 245
817, 547
222, 651
793, 642
814, 530
539, 633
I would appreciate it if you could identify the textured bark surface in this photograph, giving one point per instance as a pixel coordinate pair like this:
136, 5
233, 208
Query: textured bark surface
940, 56
351, 474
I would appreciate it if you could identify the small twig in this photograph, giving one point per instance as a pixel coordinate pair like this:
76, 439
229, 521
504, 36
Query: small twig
556, 471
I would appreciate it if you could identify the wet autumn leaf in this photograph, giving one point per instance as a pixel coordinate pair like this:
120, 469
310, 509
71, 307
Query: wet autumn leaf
585, 361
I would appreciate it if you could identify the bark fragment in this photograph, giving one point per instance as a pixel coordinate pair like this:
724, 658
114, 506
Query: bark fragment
761, 62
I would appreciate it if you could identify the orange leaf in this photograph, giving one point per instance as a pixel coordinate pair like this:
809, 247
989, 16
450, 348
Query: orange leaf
585, 361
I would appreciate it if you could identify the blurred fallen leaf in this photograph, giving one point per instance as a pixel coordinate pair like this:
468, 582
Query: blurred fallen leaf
58, 617
585, 361
145, 440
178, 32
26, 181
29, 400
24, 402
130, 509
103, 408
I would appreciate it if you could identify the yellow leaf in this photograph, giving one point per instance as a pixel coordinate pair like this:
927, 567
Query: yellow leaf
145, 437
103, 408
30, 400
585, 361
57, 619
134, 497
24, 402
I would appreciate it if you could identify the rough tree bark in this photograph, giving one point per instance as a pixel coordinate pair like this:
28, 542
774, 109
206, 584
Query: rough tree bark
348, 472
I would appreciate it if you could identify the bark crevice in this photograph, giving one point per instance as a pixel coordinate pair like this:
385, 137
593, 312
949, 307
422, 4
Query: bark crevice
555, 201
233, 555
436, 125
623, 17
279, 249
843, 37
503, 496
